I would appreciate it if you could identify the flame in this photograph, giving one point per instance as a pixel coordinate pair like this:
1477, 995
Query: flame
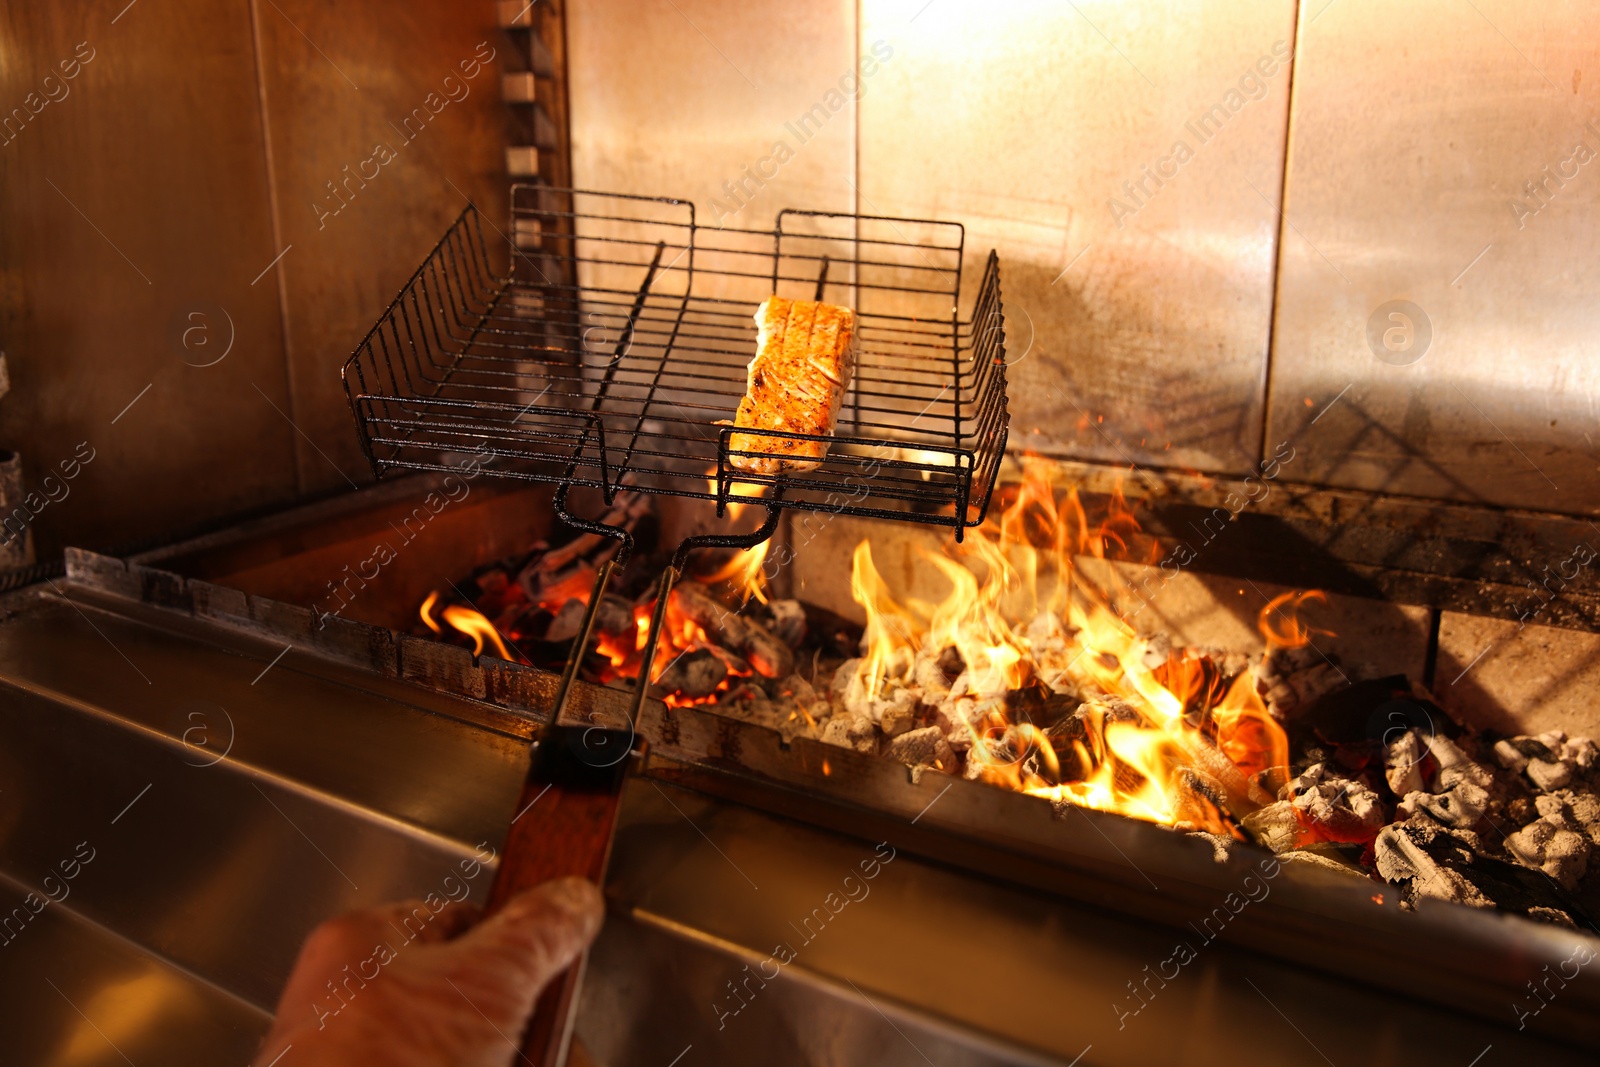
1280, 622
427, 611
476, 626
680, 636
735, 506
746, 571
1170, 743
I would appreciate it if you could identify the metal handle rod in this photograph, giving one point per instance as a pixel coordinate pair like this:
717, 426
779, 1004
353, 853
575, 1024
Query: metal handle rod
580, 643
669, 578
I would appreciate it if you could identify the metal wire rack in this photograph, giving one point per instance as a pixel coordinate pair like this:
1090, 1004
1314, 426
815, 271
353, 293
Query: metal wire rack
611, 349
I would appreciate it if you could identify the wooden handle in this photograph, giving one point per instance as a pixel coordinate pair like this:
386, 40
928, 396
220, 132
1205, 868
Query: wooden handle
563, 826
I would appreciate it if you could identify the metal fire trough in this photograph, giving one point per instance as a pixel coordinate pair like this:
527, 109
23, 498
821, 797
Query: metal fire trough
241, 773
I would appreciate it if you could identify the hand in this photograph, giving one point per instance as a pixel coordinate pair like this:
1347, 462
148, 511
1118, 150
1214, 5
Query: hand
401, 986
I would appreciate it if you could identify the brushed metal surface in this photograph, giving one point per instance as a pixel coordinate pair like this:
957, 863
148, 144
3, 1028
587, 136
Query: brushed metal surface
1415, 132
680, 99
1134, 337
230, 803
338, 82
137, 199
997, 974
78, 993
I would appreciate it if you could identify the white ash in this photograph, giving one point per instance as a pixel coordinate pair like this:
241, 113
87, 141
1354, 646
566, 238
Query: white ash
1550, 760
1402, 761
1423, 861
851, 731
1277, 826
1344, 809
1454, 794
1550, 847
1327, 863
924, 747
933, 712
1578, 812
1291, 679
788, 621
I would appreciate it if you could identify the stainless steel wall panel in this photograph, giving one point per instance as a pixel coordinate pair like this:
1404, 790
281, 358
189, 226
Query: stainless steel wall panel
1137, 319
1417, 130
135, 218
384, 119
692, 99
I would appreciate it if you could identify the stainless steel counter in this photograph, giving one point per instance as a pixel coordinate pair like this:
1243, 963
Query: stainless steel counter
214, 795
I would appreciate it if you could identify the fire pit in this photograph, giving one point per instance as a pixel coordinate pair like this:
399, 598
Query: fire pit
1027, 676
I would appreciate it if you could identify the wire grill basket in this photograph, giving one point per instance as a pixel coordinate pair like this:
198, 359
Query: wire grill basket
604, 342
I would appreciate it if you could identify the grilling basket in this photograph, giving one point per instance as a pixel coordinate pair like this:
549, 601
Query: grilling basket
603, 341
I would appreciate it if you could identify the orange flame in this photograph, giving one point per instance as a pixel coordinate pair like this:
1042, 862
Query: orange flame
746, 571
680, 636
1280, 622
1023, 619
735, 506
427, 611
476, 626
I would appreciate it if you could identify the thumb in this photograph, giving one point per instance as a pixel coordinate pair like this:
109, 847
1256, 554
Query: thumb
538, 933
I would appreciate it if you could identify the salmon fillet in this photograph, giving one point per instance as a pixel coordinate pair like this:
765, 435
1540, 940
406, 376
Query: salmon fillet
805, 354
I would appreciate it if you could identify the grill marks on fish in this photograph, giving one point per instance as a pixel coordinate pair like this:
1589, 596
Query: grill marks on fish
805, 355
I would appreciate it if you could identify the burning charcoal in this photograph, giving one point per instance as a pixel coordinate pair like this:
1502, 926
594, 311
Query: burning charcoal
1552, 915
1578, 812
1460, 807
1427, 863
1548, 775
1322, 861
1402, 760
1509, 757
1290, 679
1045, 635
896, 714
615, 617
1529, 748
565, 626
930, 678
801, 692
1278, 827
851, 731
953, 718
834, 634
788, 621
747, 701
1455, 767
926, 746
1341, 809
1198, 801
1580, 752
693, 674
1546, 845
1221, 844
1157, 650
769, 656
951, 663
843, 676
1521, 810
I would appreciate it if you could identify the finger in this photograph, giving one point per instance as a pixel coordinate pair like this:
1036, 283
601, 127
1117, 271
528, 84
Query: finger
455, 920
538, 933
343, 939
348, 939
